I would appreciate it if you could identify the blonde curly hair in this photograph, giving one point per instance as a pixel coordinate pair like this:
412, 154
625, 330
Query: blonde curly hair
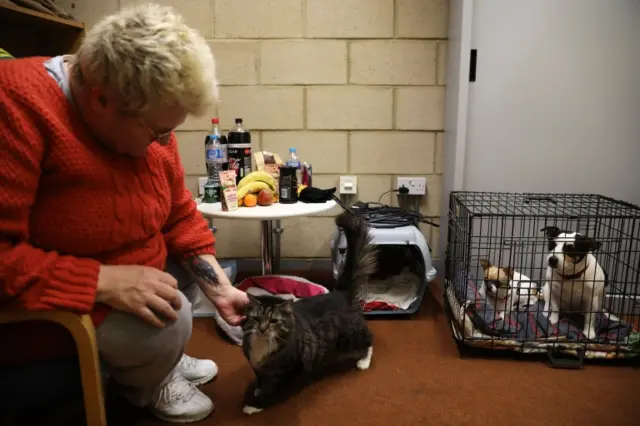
147, 56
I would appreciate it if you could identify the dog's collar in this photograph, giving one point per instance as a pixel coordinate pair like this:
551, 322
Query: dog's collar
573, 276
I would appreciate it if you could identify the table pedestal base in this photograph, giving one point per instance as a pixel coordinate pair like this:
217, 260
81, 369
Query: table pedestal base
270, 233
277, 232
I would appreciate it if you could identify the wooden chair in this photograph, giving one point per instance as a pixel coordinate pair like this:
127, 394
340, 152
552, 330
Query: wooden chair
83, 333
25, 32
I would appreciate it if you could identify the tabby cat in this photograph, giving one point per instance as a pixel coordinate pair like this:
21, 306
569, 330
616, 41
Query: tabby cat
289, 342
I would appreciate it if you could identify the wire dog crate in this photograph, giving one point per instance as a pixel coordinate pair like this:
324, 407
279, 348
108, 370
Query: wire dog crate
493, 236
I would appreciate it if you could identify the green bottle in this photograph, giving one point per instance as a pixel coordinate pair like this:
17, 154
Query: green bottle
211, 193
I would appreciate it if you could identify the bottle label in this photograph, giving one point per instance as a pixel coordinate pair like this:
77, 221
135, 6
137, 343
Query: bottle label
211, 194
214, 154
284, 192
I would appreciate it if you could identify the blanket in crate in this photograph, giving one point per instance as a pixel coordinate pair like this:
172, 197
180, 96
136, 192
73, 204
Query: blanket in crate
480, 321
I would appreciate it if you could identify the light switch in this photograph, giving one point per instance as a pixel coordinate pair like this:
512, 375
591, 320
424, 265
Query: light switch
348, 184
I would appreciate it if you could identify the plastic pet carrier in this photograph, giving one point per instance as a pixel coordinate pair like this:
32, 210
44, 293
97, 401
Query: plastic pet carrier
405, 268
493, 235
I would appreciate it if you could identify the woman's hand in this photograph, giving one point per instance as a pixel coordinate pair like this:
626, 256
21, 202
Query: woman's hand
141, 290
230, 303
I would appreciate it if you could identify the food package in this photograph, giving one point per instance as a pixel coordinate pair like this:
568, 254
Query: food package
269, 162
229, 190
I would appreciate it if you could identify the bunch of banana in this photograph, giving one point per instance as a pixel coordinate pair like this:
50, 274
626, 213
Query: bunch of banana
255, 182
253, 188
257, 177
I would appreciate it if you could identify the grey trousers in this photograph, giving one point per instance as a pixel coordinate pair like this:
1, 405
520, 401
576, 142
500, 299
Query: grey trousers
139, 356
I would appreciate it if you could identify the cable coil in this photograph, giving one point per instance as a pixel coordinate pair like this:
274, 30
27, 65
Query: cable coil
379, 215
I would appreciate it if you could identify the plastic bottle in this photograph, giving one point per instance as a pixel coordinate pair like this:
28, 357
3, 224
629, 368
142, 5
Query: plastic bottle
294, 161
222, 140
214, 161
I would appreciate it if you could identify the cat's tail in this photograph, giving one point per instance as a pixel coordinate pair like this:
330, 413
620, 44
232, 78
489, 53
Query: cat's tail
361, 257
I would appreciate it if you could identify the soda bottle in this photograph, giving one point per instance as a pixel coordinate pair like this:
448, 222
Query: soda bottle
239, 147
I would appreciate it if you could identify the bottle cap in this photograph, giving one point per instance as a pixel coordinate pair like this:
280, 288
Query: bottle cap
238, 120
215, 120
292, 150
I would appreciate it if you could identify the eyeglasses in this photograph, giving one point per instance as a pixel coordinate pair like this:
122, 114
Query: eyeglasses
161, 138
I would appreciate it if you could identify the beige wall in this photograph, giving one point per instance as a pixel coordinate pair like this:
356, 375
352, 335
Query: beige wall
357, 86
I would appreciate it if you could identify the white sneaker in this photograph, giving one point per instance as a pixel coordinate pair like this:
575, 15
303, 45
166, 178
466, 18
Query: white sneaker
181, 402
197, 371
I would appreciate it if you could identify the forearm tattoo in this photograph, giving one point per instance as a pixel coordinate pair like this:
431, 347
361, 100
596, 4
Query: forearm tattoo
204, 271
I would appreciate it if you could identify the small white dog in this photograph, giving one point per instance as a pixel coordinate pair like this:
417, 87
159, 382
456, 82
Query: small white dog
574, 278
507, 289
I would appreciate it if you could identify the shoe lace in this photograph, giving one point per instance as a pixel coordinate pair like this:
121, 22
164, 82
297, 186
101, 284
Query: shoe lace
178, 389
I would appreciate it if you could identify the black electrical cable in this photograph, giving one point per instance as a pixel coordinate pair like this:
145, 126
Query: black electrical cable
386, 192
382, 216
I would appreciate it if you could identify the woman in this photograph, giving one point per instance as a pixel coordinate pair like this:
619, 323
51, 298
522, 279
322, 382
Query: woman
93, 203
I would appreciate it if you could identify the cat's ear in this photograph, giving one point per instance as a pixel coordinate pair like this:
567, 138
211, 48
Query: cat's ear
286, 306
253, 301
252, 306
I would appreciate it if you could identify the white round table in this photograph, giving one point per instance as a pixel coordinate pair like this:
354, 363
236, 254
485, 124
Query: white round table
269, 217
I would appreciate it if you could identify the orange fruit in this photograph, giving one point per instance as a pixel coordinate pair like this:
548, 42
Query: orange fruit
250, 200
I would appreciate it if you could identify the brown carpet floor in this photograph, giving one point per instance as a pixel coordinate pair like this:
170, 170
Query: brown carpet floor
418, 378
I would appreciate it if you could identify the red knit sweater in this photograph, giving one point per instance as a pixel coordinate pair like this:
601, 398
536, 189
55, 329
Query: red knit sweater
68, 205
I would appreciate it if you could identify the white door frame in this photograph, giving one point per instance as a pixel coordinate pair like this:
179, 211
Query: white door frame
456, 109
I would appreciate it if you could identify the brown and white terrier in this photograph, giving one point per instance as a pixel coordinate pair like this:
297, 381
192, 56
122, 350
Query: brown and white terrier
507, 289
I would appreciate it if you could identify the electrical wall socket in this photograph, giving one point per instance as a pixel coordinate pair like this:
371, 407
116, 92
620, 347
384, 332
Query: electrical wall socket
201, 183
348, 185
416, 185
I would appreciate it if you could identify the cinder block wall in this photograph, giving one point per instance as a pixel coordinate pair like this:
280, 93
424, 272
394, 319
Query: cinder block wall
357, 86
